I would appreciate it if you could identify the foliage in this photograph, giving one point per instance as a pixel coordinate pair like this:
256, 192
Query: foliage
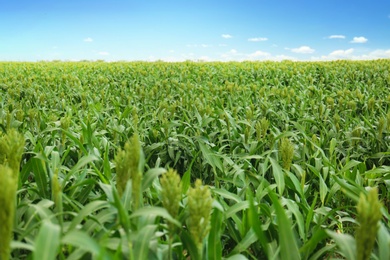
289, 154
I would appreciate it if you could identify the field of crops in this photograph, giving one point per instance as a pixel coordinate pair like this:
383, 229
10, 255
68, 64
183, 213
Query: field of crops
251, 160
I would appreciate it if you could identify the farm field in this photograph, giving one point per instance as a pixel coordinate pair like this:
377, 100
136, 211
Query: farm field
195, 160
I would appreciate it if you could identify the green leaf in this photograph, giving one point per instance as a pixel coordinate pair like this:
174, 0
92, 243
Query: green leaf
47, 241
352, 191
318, 236
255, 223
21, 245
237, 257
214, 242
150, 176
87, 211
106, 164
38, 167
122, 212
42, 208
297, 185
155, 211
345, 243
349, 165
294, 208
287, 242
186, 181
383, 242
55, 161
189, 245
104, 216
81, 163
323, 190
126, 196
107, 188
236, 208
324, 250
76, 140
81, 240
243, 245
332, 147
227, 195
278, 175
142, 241
210, 156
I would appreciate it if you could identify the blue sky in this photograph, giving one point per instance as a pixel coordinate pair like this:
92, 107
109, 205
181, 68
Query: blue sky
194, 30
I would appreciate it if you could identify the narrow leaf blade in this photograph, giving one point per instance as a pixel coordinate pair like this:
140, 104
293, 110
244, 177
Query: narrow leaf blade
47, 241
287, 242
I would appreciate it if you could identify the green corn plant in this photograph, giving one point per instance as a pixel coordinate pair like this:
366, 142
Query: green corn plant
199, 210
127, 168
11, 150
186, 115
368, 216
381, 127
122, 170
57, 194
314, 140
262, 128
171, 192
356, 135
8, 185
371, 103
171, 196
287, 152
388, 121
65, 123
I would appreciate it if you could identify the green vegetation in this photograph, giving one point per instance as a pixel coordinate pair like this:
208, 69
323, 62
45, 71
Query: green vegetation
140, 160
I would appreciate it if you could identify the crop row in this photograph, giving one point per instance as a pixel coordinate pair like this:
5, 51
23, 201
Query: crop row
284, 151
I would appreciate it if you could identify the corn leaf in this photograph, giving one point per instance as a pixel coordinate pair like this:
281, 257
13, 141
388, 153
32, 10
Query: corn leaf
47, 242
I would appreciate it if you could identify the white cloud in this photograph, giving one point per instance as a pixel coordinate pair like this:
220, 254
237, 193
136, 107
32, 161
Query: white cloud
226, 36
198, 45
373, 55
204, 58
258, 39
180, 58
350, 54
303, 50
234, 55
261, 55
380, 53
89, 39
337, 36
341, 53
103, 53
258, 54
283, 57
360, 39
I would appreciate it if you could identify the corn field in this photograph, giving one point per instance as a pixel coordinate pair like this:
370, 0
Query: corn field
194, 160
